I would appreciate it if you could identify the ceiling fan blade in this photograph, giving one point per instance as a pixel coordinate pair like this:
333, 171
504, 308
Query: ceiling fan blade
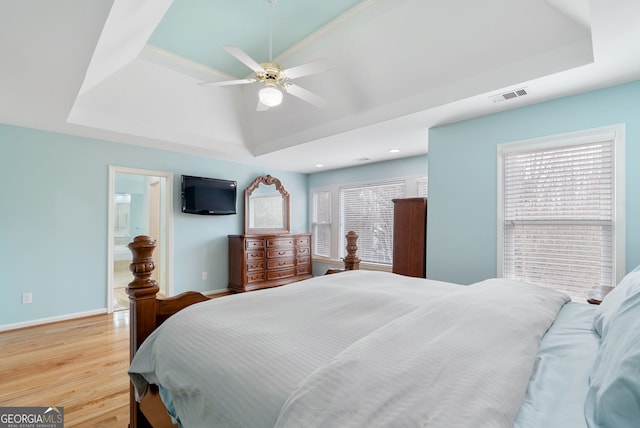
305, 95
228, 82
244, 58
314, 67
261, 107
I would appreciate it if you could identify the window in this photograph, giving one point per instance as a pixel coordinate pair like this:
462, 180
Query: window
366, 208
560, 220
321, 223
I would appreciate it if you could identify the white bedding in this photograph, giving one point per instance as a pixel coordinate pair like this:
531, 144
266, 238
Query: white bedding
358, 348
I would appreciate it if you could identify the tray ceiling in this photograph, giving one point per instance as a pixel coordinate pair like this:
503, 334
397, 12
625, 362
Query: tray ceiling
128, 70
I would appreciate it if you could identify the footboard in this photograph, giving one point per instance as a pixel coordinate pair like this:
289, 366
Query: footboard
147, 311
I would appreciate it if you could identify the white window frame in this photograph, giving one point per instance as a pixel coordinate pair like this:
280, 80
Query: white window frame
412, 185
612, 132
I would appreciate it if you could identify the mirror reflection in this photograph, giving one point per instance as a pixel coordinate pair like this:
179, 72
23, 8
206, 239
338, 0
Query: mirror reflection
266, 206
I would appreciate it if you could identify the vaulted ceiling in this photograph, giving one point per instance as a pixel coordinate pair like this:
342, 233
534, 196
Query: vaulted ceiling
128, 70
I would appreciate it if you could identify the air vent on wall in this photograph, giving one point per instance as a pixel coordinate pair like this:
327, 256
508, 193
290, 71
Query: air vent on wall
508, 95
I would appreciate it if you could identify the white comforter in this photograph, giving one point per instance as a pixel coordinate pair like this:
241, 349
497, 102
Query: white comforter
356, 349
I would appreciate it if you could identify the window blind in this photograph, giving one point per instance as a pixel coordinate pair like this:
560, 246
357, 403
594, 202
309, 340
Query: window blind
321, 223
558, 216
368, 210
423, 187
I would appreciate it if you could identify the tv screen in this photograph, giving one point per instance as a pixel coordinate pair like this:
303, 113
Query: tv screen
208, 196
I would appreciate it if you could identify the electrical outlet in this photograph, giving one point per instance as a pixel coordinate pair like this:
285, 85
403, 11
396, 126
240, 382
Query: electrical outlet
204, 276
27, 298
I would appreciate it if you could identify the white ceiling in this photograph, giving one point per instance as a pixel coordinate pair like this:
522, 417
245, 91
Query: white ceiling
397, 67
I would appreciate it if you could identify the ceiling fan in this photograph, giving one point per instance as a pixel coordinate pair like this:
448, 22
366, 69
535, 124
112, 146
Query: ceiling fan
276, 80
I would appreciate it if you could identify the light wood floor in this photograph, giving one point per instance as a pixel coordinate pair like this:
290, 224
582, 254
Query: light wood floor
79, 364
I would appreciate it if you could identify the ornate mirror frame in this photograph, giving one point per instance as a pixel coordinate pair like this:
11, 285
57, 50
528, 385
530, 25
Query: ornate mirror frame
261, 202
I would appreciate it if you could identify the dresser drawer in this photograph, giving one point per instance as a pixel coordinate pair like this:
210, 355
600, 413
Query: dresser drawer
250, 244
255, 265
254, 255
303, 241
255, 277
271, 254
302, 269
280, 242
280, 263
279, 274
303, 251
303, 260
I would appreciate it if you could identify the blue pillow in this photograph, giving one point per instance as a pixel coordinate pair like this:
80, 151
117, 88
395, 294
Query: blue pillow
613, 397
629, 285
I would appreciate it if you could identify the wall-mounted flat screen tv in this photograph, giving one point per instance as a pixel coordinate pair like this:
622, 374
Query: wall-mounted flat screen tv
208, 196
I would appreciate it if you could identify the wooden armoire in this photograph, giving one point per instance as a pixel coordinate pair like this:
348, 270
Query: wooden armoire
410, 237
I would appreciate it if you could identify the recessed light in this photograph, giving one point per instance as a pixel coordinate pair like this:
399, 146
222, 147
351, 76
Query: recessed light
319, 165
394, 151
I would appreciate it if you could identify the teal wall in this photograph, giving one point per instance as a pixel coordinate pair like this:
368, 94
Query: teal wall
54, 189
461, 225
53, 220
404, 167
416, 165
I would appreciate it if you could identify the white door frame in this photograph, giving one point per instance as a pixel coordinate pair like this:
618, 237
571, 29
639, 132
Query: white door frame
168, 213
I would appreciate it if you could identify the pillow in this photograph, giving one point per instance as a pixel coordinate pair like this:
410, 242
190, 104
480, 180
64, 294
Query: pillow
613, 397
629, 285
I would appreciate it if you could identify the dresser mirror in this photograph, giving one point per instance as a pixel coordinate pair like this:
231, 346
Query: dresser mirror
266, 207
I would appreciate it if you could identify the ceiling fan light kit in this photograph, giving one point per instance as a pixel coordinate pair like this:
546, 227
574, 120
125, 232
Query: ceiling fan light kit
275, 79
270, 96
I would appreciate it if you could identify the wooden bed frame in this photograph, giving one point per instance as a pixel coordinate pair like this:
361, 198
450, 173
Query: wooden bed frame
147, 312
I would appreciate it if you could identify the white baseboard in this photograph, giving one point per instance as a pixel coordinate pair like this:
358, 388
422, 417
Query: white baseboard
40, 321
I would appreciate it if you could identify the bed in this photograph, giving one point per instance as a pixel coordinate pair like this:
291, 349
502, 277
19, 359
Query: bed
375, 349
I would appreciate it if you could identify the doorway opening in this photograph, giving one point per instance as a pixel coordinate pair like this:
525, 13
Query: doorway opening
140, 203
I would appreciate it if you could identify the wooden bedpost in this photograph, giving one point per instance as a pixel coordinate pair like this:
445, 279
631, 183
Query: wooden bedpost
351, 262
142, 309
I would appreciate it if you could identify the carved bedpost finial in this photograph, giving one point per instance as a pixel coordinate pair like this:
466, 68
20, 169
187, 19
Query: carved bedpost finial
142, 314
351, 262
142, 266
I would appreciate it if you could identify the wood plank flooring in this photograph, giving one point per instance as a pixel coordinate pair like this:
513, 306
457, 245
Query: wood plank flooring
78, 364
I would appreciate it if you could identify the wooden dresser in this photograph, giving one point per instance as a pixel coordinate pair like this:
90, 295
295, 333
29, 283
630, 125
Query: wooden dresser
263, 261
409, 237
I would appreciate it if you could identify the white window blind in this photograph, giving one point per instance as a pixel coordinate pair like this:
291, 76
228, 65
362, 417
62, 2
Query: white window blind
423, 187
368, 210
321, 223
558, 215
